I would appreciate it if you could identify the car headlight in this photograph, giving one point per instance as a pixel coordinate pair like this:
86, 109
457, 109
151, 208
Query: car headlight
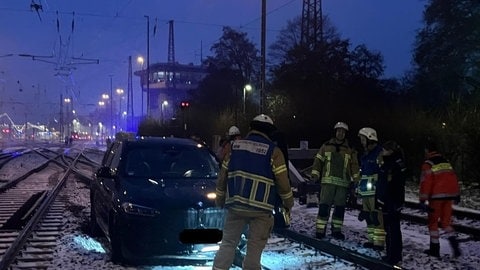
135, 209
211, 195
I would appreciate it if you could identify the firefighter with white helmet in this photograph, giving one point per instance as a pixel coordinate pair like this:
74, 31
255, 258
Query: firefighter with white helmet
336, 167
370, 167
233, 130
232, 135
252, 178
369, 133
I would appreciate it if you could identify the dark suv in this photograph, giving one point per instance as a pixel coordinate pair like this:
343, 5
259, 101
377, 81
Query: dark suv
155, 198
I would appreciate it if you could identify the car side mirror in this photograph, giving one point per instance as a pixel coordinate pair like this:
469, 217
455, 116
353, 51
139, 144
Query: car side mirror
104, 172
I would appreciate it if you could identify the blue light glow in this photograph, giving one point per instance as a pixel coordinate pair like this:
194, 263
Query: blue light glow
88, 243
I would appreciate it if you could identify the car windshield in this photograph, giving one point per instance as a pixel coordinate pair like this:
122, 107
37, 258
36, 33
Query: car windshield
168, 161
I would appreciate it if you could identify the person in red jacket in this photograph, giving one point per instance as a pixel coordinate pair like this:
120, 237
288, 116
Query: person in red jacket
439, 186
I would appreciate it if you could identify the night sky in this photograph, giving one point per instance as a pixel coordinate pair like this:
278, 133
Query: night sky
112, 30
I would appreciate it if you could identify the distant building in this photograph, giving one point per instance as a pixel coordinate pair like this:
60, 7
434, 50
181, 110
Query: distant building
168, 87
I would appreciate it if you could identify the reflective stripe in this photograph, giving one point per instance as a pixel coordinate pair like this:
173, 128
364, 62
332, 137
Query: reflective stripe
220, 193
366, 187
335, 181
246, 201
320, 157
441, 167
320, 224
280, 169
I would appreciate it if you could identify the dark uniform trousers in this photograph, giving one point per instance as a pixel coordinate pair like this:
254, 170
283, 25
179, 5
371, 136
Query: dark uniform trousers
393, 240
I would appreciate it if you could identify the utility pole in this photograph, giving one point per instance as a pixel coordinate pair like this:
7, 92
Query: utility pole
148, 65
62, 130
263, 41
130, 114
111, 106
312, 24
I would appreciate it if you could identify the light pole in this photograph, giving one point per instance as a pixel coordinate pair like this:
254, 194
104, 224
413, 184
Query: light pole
67, 116
101, 104
246, 88
140, 61
148, 65
164, 105
119, 92
111, 106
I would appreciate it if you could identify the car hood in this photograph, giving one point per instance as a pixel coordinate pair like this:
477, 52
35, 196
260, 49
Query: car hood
169, 193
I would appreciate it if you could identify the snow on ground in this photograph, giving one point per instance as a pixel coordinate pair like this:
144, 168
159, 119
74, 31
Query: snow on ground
77, 250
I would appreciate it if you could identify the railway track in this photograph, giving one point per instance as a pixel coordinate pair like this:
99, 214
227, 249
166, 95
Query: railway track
31, 216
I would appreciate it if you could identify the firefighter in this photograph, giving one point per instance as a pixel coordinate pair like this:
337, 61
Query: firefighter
336, 166
233, 134
439, 187
369, 168
251, 178
390, 197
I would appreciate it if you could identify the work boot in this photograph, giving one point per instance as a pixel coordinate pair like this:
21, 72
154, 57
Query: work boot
454, 244
364, 215
434, 250
368, 245
391, 260
312, 200
338, 235
319, 235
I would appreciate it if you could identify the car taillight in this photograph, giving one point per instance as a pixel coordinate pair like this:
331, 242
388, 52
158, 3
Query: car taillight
134, 209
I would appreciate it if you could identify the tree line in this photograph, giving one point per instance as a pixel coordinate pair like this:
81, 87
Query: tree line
310, 88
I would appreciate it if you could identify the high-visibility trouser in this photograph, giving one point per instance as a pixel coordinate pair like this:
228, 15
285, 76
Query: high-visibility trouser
331, 195
441, 211
375, 229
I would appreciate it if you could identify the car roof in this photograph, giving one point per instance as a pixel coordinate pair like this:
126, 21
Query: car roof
162, 141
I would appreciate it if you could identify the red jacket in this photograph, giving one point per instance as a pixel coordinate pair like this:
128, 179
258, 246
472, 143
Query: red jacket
438, 180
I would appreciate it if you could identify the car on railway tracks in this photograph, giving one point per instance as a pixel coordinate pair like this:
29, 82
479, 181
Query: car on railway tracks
154, 198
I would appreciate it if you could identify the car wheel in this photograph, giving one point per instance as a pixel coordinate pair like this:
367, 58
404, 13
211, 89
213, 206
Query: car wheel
94, 228
115, 243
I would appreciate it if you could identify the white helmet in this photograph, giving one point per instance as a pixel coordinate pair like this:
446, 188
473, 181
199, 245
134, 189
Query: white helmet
369, 133
263, 118
233, 130
341, 125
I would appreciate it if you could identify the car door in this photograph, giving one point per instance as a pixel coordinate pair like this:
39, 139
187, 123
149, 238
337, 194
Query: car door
105, 184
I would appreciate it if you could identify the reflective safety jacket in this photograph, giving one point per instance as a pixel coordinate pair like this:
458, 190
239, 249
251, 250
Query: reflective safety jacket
438, 180
336, 164
369, 168
254, 176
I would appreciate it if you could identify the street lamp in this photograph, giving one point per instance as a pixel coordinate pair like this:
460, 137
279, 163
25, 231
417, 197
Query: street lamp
119, 92
140, 61
164, 105
246, 88
67, 101
111, 106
